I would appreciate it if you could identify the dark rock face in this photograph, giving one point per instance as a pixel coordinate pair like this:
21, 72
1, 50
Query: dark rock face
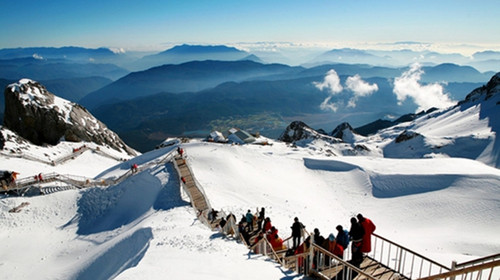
338, 132
42, 118
486, 91
294, 132
406, 135
298, 130
2, 141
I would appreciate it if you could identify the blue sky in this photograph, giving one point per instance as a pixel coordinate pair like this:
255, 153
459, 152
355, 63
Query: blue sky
158, 25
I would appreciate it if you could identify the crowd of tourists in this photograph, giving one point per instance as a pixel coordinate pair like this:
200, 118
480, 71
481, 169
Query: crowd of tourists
253, 227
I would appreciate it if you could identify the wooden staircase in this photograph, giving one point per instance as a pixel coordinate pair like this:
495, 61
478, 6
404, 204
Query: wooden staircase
198, 199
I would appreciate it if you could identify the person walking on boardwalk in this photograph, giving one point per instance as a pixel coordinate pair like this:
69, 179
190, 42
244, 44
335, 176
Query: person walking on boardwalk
297, 228
369, 227
260, 221
342, 237
249, 218
357, 232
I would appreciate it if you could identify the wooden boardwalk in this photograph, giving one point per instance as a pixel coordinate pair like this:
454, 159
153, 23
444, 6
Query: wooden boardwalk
198, 199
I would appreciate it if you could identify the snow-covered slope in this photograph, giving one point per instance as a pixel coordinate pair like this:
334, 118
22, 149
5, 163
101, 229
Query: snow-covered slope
143, 228
419, 195
467, 130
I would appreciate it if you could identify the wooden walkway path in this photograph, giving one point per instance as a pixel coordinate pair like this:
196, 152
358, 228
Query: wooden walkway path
198, 199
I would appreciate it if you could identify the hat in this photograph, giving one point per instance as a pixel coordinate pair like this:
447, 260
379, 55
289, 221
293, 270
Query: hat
331, 237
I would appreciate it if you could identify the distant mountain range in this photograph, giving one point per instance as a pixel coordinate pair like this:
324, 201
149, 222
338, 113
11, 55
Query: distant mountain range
248, 99
483, 61
185, 53
186, 77
47, 69
223, 86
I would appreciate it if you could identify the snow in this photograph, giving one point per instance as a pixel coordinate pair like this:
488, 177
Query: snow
437, 194
144, 227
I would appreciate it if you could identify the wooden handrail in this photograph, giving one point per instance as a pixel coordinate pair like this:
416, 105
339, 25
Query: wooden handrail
463, 271
480, 260
411, 251
331, 255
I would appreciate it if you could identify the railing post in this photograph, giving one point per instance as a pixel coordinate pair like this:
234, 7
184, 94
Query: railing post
309, 259
453, 267
400, 260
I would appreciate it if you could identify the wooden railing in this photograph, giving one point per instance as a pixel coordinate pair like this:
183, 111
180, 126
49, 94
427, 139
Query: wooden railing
327, 266
477, 271
404, 261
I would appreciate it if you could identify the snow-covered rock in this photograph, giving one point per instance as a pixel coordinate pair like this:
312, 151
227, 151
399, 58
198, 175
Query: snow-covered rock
43, 118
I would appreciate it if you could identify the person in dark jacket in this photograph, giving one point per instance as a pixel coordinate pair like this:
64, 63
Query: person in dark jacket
262, 214
342, 237
297, 228
318, 238
357, 232
249, 219
222, 223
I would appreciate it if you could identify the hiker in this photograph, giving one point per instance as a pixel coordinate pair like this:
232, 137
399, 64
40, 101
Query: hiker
262, 214
334, 247
242, 229
180, 151
183, 180
357, 232
14, 177
249, 219
369, 228
342, 237
302, 248
297, 228
222, 223
40, 178
318, 239
134, 167
271, 233
267, 225
213, 214
277, 243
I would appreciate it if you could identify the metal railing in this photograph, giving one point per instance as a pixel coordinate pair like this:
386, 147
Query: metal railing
404, 261
326, 265
481, 271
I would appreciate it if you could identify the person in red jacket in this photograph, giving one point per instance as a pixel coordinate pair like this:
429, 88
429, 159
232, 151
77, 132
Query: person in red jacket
369, 227
277, 243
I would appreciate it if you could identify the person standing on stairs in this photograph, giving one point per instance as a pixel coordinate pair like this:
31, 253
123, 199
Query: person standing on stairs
297, 228
369, 227
249, 219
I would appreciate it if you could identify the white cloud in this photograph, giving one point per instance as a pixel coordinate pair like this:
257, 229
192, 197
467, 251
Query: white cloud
331, 82
425, 96
326, 105
355, 84
359, 88
37, 56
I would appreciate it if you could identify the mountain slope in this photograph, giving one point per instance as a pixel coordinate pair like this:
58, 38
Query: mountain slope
103, 233
187, 77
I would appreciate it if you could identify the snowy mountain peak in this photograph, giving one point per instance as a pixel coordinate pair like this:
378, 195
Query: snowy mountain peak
485, 92
345, 132
43, 118
297, 131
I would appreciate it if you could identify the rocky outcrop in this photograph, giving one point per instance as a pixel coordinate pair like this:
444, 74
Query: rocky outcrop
43, 118
485, 92
338, 132
298, 130
406, 135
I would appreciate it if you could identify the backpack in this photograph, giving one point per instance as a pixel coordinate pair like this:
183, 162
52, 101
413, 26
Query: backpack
343, 239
